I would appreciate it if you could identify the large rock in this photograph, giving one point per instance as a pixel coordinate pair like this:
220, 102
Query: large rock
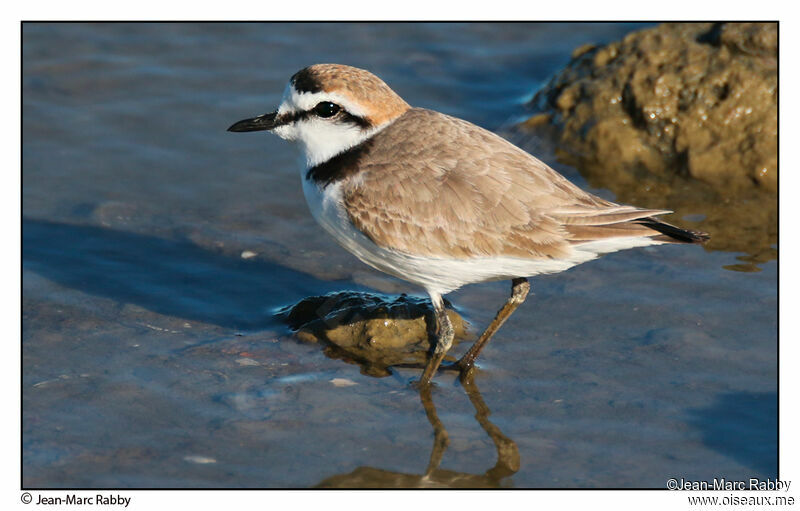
369, 329
681, 116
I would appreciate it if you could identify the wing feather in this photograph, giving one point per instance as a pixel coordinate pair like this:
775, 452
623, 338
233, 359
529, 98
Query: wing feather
437, 186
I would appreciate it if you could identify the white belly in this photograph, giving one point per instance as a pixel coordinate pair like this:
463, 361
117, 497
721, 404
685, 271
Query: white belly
439, 275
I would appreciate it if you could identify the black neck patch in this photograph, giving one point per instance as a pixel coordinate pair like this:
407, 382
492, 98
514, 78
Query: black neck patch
305, 81
339, 167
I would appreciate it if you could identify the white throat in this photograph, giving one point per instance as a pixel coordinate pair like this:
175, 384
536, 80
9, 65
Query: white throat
321, 139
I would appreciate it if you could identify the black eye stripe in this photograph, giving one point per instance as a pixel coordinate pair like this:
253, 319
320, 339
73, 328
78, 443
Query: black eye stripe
354, 119
344, 117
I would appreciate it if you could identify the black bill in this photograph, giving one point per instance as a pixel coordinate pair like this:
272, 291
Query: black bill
260, 123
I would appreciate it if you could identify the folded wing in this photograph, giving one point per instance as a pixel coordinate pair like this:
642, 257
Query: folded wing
437, 186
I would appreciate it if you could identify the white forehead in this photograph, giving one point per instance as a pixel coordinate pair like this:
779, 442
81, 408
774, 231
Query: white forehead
294, 101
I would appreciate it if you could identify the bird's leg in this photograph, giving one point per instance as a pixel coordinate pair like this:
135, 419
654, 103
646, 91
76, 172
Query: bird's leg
444, 339
519, 290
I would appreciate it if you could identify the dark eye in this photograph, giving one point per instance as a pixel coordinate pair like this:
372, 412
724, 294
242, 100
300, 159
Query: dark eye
326, 109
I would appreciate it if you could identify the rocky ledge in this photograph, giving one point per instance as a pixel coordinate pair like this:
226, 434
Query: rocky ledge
371, 330
681, 116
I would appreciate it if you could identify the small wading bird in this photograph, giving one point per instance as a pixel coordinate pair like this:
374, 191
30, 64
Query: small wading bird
438, 201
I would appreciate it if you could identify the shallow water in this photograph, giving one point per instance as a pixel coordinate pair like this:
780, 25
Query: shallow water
151, 353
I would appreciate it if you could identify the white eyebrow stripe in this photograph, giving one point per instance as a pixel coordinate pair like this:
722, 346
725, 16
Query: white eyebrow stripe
304, 101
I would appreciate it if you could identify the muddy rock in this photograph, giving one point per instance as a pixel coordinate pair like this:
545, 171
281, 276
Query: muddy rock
680, 116
374, 331
696, 98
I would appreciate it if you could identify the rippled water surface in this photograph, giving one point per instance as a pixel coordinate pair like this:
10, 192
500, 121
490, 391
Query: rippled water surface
151, 353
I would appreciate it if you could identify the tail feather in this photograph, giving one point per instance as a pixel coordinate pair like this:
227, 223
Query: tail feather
672, 234
587, 225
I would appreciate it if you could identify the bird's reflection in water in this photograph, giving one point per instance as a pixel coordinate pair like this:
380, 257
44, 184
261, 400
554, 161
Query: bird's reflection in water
434, 477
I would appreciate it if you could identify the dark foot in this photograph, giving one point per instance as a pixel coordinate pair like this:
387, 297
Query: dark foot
420, 385
465, 364
452, 366
465, 369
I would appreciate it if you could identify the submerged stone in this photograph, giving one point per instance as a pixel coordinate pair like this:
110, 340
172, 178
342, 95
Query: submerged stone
371, 330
